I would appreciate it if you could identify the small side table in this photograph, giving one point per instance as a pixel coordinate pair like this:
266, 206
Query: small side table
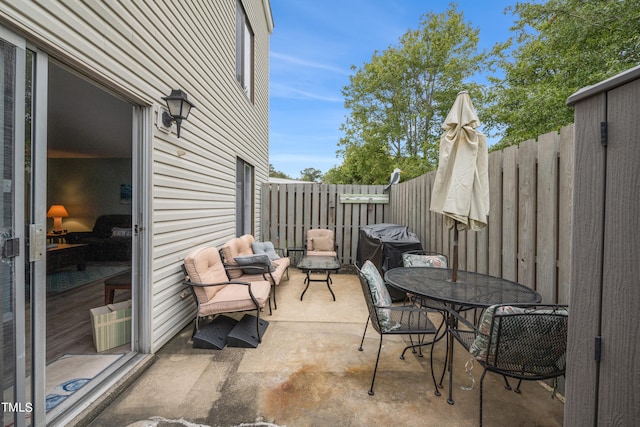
121, 281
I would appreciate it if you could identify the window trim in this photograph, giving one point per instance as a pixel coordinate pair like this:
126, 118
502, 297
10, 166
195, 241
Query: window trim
244, 51
245, 197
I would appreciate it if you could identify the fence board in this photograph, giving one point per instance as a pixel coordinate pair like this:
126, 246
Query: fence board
510, 213
298, 234
527, 154
495, 214
565, 212
547, 215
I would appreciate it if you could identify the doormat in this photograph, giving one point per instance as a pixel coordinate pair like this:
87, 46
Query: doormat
71, 372
64, 280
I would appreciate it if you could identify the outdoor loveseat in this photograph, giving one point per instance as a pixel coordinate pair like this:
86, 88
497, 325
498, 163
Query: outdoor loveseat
214, 294
249, 261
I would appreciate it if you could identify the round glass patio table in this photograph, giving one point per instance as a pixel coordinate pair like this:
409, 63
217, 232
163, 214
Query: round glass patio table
471, 290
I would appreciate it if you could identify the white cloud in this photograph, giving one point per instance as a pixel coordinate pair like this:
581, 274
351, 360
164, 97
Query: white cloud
309, 64
286, 91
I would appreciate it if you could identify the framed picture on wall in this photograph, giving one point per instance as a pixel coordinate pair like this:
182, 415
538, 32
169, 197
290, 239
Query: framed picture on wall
125, 194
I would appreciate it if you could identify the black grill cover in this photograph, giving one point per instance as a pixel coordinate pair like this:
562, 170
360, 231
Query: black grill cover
383, 245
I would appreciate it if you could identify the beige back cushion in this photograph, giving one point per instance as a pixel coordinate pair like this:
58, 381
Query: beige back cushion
205, 266
324, 239
238, 246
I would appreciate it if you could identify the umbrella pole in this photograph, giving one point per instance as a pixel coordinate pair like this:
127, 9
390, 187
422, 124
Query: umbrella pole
454, 269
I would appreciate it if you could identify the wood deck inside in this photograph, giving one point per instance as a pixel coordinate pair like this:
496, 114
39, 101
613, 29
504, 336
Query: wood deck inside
69, 321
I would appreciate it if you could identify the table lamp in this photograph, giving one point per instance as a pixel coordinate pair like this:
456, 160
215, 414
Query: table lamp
57, 212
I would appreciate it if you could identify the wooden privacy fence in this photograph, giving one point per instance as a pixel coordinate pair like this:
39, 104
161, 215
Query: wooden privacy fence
289, 210
528, 238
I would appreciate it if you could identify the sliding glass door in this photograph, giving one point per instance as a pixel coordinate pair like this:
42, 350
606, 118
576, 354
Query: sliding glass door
16, 401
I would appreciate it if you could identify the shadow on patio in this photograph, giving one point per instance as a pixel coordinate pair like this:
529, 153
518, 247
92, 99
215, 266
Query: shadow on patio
308, 372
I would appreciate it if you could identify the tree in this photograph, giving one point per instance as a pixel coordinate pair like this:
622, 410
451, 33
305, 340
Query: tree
397, 102
561, 46
311, 174
277, 174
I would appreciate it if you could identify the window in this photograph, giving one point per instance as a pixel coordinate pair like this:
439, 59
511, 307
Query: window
244, 198
244, 51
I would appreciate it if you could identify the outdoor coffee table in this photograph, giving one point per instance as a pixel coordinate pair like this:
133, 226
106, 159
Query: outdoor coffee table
319, 264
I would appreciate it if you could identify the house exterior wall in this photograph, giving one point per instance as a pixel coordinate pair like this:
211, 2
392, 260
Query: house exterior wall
140, 51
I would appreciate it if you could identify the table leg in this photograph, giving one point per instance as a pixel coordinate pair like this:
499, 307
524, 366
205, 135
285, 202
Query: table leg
307, 280
329, 284
452, 323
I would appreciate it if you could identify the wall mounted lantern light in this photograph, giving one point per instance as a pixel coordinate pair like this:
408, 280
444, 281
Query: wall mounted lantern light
179, 107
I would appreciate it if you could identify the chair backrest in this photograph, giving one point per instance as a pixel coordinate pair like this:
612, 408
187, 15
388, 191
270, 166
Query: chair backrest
376, 295
238, 246
424, 259
320, 240
204, 266
529, 341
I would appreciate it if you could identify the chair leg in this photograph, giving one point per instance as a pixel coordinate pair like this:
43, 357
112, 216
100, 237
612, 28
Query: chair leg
275, 303
506, 383
195, 327
481, 380
258, 324
365, 333
375, 369
517, 389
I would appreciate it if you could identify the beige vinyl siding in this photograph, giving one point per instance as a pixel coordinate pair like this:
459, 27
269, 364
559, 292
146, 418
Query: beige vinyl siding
142, 50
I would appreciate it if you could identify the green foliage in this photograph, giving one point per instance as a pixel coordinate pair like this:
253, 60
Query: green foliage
311, 174
277, 174
560, 47
398, 101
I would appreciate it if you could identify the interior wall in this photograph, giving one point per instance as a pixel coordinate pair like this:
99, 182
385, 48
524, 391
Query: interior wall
87, 188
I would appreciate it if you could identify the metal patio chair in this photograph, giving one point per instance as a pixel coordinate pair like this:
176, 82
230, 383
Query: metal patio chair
521, 341
393, 320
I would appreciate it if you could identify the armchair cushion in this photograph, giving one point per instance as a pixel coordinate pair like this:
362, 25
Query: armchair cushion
265, 248
257, 261
379, 295
487, 333
321, 244
415, 260
204, 266
239, 246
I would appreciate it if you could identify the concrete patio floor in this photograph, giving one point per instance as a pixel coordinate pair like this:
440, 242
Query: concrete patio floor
308, 372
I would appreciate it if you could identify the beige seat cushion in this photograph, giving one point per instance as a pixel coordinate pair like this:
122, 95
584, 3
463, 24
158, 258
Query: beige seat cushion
204, 265
320, 241
238, 246
236, 298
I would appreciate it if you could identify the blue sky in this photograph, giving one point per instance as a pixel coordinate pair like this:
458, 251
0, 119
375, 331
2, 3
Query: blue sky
313, 46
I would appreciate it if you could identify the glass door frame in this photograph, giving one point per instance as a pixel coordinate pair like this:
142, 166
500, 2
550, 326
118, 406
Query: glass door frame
14, 230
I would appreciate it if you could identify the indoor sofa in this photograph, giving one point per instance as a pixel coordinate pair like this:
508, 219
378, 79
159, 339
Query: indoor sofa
110, 239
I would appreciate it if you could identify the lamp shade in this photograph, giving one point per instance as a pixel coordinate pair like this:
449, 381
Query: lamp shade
57, 211
178, 104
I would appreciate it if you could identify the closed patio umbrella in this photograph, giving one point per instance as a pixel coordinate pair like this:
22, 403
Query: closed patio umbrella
461, 188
